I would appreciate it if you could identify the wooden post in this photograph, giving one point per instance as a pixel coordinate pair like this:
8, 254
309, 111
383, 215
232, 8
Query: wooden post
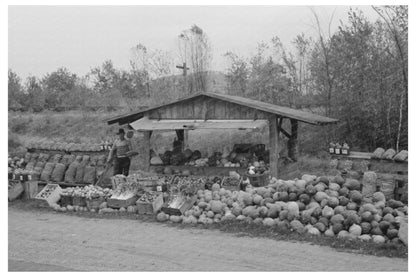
293, 141
181, 138
146, 150
274, 145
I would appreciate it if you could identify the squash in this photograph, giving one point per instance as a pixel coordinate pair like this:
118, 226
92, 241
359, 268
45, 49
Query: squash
365, 238
365, 227
327, 212
297, 226
336, 228
308, 178
320, 195
162, 217
257, 199
320, 226
333, 202
293, 209
352, 184
216, 206
329, 232
337, 219
379, 239
314, 231
355, 230
356, 196
268, 222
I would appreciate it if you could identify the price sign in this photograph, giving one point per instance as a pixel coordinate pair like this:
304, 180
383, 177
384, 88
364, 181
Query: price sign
159, 188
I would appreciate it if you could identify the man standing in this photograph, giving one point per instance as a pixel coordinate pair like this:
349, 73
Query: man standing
119, 152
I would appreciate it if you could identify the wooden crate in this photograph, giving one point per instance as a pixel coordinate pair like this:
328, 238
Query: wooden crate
15, 190
31, 189
186, 205
79, 201
94, 203
144, 207
66, 200
236, 187
121, 203
52, 198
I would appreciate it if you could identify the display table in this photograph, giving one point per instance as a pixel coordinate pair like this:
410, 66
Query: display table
202, 170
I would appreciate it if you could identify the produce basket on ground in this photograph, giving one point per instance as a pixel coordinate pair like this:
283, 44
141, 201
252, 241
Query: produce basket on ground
179, 204
79, 201
15, 190
258, 180
149, 203
231, 183
49, 195
94, 203
115, 202
66, 200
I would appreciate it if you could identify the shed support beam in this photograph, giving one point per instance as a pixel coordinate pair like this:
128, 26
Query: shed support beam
181, 138
146, 150
274, 145
293, 150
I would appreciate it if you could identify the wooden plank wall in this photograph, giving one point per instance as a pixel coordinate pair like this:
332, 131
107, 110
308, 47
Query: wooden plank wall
213, 109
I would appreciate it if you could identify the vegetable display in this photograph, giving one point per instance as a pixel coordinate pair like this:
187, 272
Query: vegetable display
187, 185
148, 197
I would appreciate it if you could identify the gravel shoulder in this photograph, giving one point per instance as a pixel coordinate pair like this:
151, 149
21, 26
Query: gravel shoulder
48, 241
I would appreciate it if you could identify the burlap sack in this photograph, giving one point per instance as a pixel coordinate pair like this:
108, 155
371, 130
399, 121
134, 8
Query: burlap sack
71, 159
78, 159
65, 160
401, 156
93, 160
89, 175
102, 159
389, 154
44, 157
58, 172
378, 153
34, 157
369, 183
39, 166
70, 172
30, 166
27, 157
56, 158
79, 175
85, 160
47, 172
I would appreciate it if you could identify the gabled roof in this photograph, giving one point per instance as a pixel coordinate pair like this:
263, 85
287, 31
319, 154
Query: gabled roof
300, 115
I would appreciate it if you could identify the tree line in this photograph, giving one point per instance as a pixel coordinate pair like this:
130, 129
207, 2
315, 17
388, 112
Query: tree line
357, 74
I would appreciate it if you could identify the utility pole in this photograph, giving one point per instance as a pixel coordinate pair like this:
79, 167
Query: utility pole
185, 71
185, 87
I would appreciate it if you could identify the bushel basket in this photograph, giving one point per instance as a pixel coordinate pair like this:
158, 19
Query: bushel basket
79, 201
94, 203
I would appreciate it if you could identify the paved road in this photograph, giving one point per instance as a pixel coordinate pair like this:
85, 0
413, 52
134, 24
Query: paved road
46, 241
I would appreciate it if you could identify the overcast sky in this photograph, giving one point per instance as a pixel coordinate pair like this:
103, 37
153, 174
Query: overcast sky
44, 38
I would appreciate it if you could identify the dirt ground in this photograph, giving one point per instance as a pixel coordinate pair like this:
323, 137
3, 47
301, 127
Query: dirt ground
47, 241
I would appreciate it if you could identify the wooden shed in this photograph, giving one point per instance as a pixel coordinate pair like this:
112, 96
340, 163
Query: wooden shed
221, 111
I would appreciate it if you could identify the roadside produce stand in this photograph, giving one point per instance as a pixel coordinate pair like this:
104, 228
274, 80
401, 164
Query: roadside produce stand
216, 111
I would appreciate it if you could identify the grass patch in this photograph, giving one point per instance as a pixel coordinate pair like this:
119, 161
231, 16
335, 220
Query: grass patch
240, 228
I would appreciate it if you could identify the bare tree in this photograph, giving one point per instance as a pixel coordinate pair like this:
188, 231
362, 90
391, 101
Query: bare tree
195, 51
396, 18
325, 51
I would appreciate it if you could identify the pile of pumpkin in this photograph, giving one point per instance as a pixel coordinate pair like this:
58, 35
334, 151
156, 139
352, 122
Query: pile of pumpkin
329, 206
